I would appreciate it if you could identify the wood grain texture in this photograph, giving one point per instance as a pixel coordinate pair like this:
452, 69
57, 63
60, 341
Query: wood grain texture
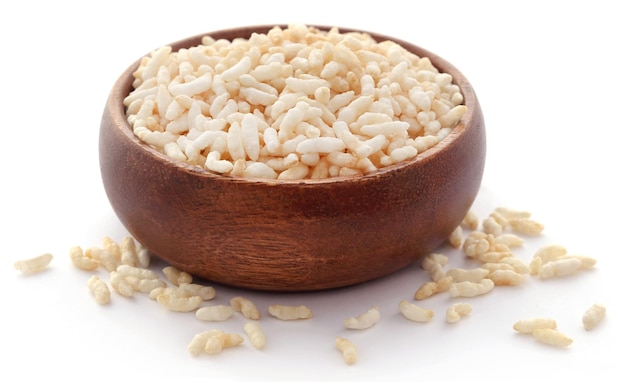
291, 235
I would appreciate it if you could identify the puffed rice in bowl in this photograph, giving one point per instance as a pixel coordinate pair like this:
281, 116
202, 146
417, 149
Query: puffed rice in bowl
292, 157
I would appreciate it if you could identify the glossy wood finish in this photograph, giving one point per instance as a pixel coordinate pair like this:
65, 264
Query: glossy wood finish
297, 235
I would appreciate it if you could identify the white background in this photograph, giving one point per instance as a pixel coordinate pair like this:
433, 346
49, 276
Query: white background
550, 78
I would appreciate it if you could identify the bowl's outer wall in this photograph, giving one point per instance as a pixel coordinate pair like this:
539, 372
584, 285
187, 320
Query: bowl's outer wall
294, 236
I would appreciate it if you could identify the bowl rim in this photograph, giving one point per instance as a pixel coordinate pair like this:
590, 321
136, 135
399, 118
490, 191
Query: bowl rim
123, 86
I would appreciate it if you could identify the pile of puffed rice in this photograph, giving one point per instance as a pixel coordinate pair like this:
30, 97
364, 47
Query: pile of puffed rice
294, 103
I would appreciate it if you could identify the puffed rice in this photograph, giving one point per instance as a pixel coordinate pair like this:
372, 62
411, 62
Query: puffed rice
347, 349
214, 313
593, 316
470, 289
80, 261
364, 320
270, 103
99, 289
245, 307
415, 313
527, 325
552, 337
288, 313
456, 311
256, 334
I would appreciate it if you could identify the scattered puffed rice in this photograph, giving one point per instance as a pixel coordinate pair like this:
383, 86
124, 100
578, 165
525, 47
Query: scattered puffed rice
456, 311
364, 320
347, 349
527, 326
214, 313
245, 307
34, 264
415, 313
593, 316
287, 313
552, 337
99, 289
255, 333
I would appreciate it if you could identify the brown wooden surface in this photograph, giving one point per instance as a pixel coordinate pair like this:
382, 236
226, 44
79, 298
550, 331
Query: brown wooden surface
297, 235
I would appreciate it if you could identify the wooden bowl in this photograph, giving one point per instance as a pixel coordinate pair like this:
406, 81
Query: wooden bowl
291, 235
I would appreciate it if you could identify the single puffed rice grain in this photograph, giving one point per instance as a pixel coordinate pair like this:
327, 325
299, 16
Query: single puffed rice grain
177, 276
470, 289
364, 320
287, 312
473, 274
491, 226
415, 313
214, 313
511, 214
80, 261
559, 268
128, 250
347, 349
550, 252
506, 277
112, 247
104, 257
143, 256
120, 284
526, 326
99, 289
518, 264
191, 289
593, 315
198, 342
526, 226
430, 288
471, 220
140, 273
256, 334
552, 337
245, 307
456, 311
456, 237
218, 342
178, 303
509, 239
